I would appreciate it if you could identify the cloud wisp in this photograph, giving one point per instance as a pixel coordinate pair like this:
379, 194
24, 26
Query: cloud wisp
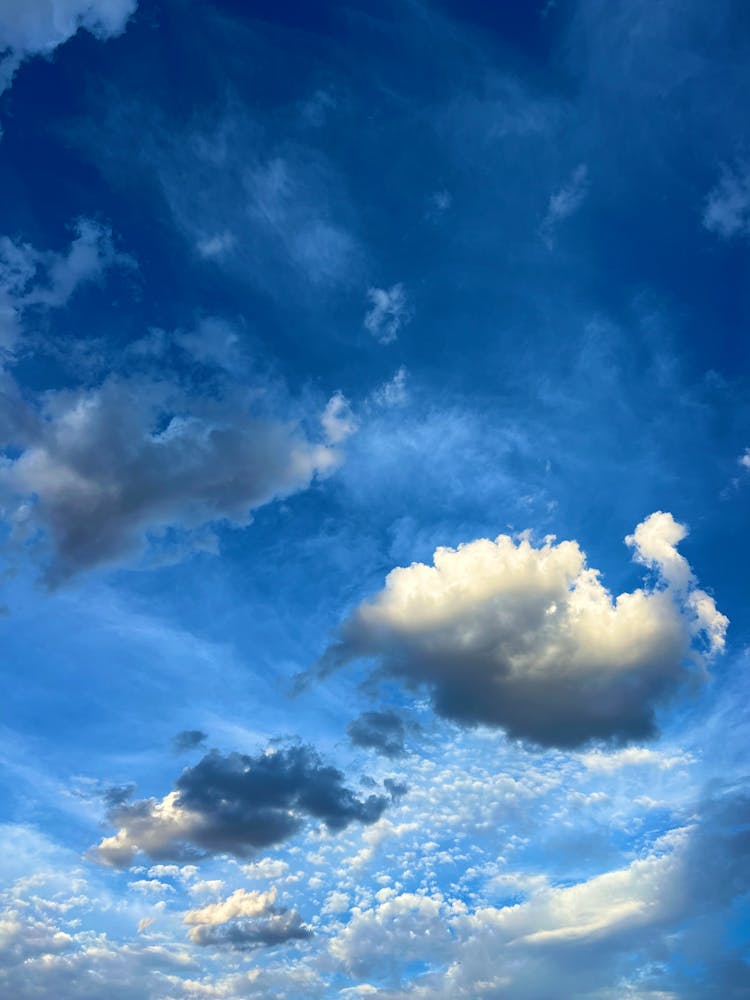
529, 639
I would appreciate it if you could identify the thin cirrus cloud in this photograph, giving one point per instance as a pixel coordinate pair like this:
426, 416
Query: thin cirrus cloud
236, 804
529, 639
37, 27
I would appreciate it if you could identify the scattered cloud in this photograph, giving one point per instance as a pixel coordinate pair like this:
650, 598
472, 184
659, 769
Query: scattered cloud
383, 732
100, 469
245, 921
236, 804
394, 391
31, 278
727, 208
565, 202
529, 639
37, 27
338, 420
389, 311
189, 739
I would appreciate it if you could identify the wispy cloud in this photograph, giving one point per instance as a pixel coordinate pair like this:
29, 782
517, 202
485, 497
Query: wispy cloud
389, 311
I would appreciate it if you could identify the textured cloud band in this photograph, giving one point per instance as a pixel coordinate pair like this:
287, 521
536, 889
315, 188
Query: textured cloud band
529, 639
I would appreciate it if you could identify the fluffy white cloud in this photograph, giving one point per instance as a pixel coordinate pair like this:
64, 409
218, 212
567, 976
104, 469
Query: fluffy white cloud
240, 903
37, 27
389, 311
529, 638
727, 208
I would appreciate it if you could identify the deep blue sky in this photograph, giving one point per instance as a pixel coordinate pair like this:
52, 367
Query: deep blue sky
294, 295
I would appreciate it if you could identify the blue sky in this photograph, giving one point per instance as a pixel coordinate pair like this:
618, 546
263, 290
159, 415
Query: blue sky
373, 496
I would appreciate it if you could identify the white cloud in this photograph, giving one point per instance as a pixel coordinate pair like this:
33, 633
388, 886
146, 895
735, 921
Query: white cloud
608, 763
528, 638
566, 201
394, 391
727, 208
744, 459
338, 420
37, 27
46, 279
389, 311
240, 903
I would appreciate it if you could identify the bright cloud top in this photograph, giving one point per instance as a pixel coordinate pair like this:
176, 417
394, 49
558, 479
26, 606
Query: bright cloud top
529, 639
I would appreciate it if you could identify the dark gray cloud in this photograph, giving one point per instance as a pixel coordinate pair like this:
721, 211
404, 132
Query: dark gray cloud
380, 731
236, 804
101, 469
247, 934
396, 789
189, 739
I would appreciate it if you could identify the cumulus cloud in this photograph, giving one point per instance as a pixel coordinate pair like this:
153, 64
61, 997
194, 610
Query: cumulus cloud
380, 731
565, 202
37, 27
244, 921
528, 638
101, 468
47, 279
236, 804
389, 311
727, 208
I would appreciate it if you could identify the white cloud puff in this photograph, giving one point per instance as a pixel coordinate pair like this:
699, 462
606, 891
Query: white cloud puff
727, 208
389, 311
528, 638
37, 27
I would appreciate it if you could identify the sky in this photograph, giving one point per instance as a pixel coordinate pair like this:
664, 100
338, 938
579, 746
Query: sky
373, 500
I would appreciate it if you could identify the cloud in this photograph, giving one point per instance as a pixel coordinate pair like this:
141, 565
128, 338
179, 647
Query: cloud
37, 27
100, 468
394, 391
529, 639
338, 421
244, 921
565, 202
31, 278
189, 739
727, 208
235, 804
744, 459
579, 939
380, 731
389, 311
